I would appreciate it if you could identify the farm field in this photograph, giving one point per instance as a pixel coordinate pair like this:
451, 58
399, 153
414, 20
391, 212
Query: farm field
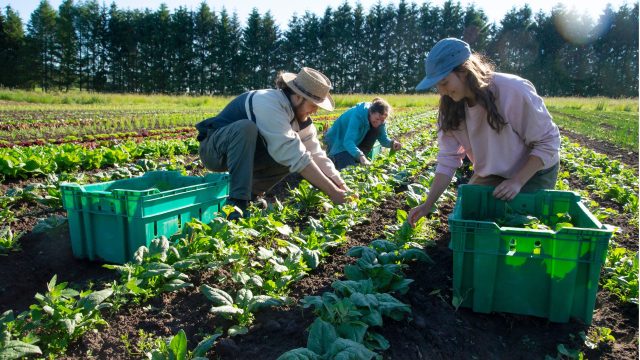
251, 290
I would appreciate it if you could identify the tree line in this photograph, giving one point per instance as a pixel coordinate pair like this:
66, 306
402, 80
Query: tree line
103, 48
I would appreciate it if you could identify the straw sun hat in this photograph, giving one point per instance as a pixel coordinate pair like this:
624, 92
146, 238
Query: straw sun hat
312, 85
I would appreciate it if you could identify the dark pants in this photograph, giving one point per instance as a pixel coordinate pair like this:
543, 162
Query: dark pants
343, 159
239, 149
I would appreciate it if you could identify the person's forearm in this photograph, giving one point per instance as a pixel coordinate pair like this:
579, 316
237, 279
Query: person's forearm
438, 186
317, 178
532, 166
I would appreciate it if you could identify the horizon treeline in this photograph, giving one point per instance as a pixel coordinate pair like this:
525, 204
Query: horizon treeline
88, 46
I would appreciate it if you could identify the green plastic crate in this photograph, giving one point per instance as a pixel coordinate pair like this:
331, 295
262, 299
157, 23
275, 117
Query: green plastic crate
375, 151
111, 220
545, 273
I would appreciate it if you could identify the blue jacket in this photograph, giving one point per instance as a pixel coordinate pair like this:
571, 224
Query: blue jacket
348, 131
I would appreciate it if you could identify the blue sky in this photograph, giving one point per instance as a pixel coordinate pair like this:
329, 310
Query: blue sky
282, 10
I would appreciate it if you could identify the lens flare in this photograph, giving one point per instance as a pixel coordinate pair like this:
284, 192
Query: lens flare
578, 27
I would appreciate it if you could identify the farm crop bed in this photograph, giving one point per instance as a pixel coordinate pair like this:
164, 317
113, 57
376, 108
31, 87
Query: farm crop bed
435, 329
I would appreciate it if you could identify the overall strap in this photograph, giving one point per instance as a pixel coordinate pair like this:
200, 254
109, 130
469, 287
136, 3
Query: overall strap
252, 115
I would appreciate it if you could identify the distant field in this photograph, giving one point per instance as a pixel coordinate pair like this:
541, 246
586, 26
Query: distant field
80, 113
617, 127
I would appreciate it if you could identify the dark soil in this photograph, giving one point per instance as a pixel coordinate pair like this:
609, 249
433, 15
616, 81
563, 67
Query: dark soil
436, 329
629, 158
26, 272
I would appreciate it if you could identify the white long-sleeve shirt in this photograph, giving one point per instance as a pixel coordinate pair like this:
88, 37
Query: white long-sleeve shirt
530, 130
288, 143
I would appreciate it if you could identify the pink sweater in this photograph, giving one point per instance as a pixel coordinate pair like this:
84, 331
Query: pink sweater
529, 131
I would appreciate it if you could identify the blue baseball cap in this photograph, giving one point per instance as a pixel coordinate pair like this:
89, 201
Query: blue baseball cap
442, 59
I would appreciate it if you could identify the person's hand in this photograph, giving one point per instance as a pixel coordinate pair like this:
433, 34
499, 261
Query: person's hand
344, 186
339, 197
507, 190
396, 145
416, 213
364, 161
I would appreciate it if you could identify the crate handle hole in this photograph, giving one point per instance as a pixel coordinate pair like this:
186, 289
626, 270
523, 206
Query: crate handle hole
179, 221
537, 248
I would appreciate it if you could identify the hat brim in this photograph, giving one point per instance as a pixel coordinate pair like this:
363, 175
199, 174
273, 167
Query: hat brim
327, 103
430, 81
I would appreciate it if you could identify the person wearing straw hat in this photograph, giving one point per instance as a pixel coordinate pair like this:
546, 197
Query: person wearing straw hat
495, 119
263, 135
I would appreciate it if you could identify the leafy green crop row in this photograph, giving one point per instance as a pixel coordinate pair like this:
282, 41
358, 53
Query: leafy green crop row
606, 178
348, 316
264, 272
41, 160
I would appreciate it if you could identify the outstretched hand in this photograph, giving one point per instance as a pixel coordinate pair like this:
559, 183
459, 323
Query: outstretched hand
417, 213
507, 190
339, 197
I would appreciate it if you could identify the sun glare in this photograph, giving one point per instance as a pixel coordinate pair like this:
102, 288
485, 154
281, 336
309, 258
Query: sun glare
581, 25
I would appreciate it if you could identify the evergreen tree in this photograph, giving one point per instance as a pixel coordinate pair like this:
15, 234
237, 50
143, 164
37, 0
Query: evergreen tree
575, 57
375, 28
123, 34
380, 50
548, 69
251, 50
12, 49
515, 45
426, 37
68, 44
227, 55
451, 20
342, 47
359, 60
92, 42
43, 51
477, 30
272, 47
312, 44
404, 55
180, 51
292, 45
329, 53
617, 49
204, 37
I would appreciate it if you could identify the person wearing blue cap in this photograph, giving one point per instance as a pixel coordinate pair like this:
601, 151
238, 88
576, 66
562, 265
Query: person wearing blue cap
495, 119
356, 131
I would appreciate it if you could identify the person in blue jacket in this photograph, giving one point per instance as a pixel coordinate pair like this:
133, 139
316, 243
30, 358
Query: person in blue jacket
355, 132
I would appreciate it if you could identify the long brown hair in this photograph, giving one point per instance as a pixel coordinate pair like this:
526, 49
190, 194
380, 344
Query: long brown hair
479, 73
